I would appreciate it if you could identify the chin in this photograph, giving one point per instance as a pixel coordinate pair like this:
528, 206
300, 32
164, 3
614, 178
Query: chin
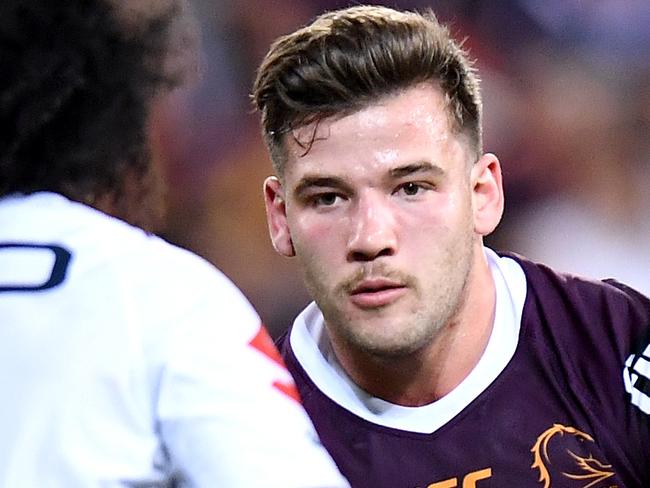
389, 348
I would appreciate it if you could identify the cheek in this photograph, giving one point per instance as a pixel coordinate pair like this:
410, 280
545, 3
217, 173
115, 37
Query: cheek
455, 207
311, 228
316, 239
430, 215
441, 220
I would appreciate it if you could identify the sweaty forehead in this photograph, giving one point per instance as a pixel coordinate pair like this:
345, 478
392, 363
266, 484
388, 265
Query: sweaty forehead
414, 117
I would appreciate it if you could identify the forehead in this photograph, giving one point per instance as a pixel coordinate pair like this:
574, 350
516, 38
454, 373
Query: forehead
399, 129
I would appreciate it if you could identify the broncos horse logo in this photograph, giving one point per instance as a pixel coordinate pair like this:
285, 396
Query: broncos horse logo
580, 468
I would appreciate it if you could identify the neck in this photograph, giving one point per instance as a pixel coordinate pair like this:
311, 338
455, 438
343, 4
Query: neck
436, 369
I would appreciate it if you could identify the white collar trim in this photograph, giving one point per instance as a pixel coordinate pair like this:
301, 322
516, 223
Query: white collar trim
311, 347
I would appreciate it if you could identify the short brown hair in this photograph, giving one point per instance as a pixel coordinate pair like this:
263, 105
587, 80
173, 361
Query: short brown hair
346, 59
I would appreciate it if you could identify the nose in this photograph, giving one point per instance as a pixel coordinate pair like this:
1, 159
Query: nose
373, 232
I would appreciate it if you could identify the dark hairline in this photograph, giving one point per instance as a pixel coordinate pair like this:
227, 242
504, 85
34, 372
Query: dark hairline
460, 85
456, 131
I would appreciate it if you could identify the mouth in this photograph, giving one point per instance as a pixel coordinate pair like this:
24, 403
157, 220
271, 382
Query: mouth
376, 292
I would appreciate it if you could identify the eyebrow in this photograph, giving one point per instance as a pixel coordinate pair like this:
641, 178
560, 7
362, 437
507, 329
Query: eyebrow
315, 181
419, 167
320, 182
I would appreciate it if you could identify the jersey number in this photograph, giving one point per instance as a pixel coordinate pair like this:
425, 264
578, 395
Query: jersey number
54, 274
469, 481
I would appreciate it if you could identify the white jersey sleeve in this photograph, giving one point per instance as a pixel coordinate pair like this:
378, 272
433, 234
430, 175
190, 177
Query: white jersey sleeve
229, 411
128, 362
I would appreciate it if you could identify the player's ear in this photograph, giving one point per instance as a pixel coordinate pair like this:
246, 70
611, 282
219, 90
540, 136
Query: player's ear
487, 194
276, 217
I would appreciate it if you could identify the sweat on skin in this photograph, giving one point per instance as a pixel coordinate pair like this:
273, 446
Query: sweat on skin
386, 212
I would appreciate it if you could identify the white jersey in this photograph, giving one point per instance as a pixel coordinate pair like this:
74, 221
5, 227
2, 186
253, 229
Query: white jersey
126, 361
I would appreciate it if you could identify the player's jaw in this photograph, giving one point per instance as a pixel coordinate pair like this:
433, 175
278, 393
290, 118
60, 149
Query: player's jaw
372, 310
392, 313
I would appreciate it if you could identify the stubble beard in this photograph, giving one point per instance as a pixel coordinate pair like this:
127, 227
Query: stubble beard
389, 334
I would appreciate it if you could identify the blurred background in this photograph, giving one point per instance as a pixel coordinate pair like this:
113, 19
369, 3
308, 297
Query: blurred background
566, 87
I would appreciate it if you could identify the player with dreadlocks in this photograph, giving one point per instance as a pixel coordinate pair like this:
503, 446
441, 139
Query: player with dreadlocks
124, 361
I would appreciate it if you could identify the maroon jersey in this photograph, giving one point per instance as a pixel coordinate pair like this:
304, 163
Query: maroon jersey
571, 408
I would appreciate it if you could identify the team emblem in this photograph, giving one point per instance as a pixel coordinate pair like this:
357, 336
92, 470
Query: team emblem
562, 453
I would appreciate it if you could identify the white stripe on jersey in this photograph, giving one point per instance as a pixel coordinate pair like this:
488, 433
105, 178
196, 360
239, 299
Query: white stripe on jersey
635, 373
